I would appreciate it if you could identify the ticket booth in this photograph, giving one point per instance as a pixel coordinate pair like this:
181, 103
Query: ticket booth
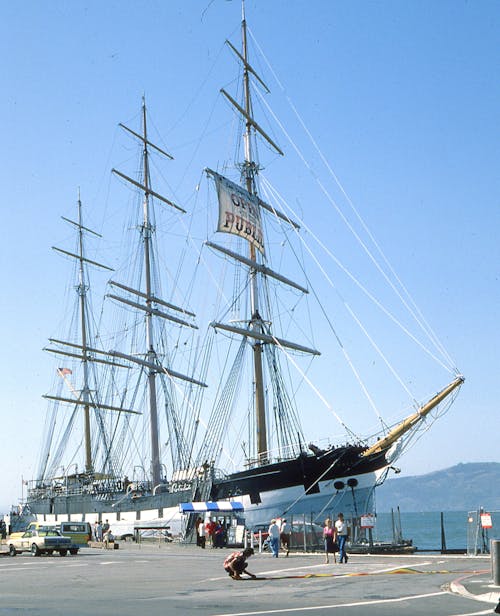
227, 516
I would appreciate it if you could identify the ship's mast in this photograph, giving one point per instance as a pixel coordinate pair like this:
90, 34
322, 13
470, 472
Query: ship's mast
250, 169
81, 351
151, 353
247, 224
147, 301
82, 293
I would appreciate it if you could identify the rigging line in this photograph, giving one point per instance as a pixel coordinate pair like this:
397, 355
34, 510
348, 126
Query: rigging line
281, 393
198, 251
425, 326
367, 251
314, 388
382, 355
200, 89
190, 405
222, 410
313, 484
415, 435
356, 282
341, 346
320, 514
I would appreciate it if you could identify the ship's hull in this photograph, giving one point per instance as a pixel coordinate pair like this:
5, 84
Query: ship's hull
311, 486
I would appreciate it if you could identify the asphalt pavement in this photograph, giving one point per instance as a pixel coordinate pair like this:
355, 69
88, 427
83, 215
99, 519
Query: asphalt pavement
161, 578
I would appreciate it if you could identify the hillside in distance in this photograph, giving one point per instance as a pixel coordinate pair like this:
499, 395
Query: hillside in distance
464, 487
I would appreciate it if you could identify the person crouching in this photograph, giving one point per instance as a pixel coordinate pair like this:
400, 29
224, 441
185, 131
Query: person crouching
236, 563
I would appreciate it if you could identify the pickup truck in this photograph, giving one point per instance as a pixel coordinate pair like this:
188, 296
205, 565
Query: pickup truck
41, 541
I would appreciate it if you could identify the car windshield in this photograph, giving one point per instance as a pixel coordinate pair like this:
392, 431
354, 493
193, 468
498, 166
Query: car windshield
49, 533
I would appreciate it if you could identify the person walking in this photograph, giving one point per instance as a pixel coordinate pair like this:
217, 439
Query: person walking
274, 538
286, 530
329, 536
341, 528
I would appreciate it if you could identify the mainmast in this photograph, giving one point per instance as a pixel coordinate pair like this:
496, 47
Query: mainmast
151, 353
147, 301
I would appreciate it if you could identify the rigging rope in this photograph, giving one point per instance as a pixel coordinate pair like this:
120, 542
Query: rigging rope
415, 311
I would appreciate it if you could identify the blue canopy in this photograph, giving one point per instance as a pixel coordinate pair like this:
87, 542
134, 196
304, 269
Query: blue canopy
209, 506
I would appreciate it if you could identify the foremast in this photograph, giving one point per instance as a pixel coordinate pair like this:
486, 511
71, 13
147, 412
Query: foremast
249, 171
240, 213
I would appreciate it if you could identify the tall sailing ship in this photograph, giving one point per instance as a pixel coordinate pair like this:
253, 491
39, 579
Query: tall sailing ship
140, 391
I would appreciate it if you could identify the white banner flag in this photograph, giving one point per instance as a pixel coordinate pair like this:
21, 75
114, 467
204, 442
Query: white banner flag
239, 212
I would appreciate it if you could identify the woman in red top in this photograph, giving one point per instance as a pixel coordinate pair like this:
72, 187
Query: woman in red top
329, 537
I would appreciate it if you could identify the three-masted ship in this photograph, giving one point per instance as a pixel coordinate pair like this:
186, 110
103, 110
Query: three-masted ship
117, 472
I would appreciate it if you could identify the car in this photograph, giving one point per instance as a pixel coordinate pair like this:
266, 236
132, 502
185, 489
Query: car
308, 536
79, 532
43, 540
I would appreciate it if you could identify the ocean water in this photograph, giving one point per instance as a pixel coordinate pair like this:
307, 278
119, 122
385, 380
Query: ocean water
462, 528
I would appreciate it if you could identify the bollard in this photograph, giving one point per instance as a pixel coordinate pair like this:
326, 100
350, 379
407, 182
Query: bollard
495, 561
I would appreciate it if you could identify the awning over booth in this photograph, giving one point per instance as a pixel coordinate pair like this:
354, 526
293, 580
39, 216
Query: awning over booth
210, 506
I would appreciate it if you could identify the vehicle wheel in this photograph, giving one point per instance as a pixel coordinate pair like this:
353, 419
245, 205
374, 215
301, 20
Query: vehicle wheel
35, 551
12, 550
73, 551
63, 552
50, 552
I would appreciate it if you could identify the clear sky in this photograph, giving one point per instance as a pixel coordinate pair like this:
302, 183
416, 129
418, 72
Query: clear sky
402, 96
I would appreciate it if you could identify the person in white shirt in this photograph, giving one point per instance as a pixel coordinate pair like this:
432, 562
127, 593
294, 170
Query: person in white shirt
341, 528
274, 538
202, 535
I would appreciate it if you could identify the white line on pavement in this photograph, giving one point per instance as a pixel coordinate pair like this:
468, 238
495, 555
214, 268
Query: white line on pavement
337, 605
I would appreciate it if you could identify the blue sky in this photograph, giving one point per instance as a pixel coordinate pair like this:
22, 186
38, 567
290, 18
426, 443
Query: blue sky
402, 98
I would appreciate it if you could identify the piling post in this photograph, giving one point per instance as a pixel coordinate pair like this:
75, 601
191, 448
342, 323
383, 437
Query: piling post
443, 535
495, 561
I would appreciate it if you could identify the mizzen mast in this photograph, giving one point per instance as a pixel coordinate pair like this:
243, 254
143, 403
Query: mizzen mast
84, 398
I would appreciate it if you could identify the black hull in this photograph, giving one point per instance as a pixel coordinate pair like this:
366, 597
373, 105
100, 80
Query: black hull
306, 471
336, 470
